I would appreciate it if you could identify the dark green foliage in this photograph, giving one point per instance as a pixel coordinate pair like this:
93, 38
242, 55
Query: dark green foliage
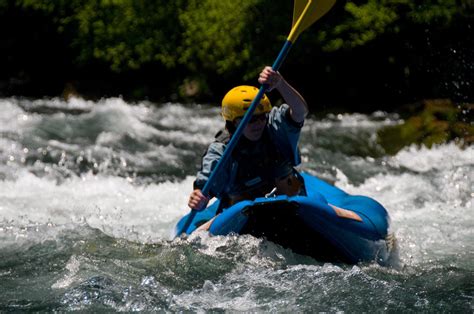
125, 34
218, 35
364, 21
431, 122
216, 43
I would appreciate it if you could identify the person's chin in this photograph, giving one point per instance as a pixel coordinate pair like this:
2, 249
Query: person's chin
255, 136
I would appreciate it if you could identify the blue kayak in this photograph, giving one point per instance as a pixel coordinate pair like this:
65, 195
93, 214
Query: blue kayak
323, 222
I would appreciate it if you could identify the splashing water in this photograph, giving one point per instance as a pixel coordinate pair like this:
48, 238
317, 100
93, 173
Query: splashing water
90, 193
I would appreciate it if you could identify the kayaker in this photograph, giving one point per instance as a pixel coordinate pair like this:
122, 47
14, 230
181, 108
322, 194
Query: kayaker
264, 159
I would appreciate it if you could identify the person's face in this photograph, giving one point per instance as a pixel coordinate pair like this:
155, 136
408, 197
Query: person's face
254, 129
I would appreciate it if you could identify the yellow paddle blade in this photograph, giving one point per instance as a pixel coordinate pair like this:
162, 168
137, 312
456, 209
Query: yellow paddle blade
305, 13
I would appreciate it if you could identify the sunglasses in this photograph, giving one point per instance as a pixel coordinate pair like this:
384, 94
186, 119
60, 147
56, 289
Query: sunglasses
258, 118
255, 118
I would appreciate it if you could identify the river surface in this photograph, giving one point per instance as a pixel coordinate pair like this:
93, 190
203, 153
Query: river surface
90, 193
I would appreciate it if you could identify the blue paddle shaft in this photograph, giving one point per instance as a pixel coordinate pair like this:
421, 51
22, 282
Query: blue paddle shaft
236, 136
245, 120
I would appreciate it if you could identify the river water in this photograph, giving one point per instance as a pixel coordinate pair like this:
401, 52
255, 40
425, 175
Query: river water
90, 193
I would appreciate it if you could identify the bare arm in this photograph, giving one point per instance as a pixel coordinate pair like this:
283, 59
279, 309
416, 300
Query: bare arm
298, 106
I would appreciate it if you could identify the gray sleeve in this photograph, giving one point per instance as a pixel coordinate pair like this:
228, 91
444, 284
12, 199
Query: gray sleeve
209, 162
285, 132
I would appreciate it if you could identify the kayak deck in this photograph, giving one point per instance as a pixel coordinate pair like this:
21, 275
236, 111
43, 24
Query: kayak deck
325, 223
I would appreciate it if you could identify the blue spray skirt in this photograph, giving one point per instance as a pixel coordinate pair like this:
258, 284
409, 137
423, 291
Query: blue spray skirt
325, 223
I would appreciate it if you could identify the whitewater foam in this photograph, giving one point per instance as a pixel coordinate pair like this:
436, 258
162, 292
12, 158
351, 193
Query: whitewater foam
112, 204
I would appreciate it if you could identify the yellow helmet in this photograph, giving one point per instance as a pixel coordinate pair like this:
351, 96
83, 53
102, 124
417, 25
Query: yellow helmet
236, 102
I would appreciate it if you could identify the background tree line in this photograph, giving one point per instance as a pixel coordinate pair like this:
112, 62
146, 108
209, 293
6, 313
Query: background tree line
363, 55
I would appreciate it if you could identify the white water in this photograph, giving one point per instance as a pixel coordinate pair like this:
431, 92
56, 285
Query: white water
127, 170
431, 206
429, 199
114, 205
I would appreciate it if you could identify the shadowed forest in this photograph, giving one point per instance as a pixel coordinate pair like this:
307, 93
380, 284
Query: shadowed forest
361, 56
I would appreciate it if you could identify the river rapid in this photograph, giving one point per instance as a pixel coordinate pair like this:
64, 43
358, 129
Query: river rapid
90, 193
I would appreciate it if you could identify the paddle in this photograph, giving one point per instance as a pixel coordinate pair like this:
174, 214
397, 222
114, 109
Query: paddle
305, 13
